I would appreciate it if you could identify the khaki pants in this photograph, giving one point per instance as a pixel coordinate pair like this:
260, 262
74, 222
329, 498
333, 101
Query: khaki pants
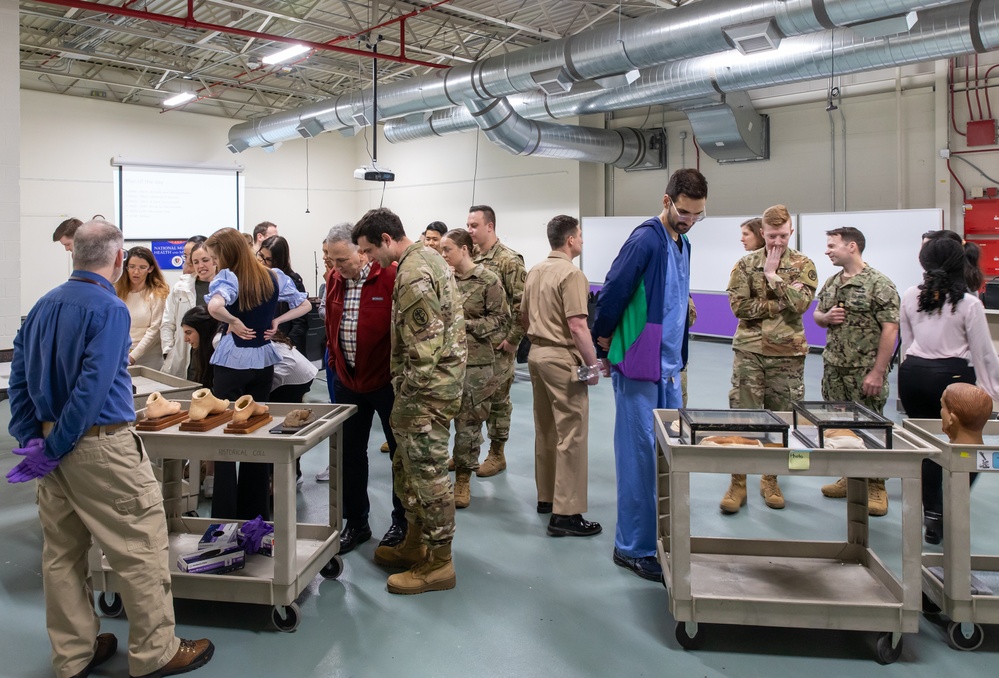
561, 426
105, 488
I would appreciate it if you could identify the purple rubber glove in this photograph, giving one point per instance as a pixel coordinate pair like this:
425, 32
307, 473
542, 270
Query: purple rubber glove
252, 533
34, 465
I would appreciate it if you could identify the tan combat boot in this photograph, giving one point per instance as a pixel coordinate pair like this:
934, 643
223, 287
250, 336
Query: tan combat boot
770, 490
462, 489
406, 553
433, 573
735, 496
495, 461
835, 490
877, 498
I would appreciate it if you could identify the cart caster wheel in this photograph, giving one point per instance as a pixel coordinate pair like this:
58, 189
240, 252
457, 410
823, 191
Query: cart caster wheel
689, 638
110, 604
886, 653
959, 641
286, 618
929, 607
332, 569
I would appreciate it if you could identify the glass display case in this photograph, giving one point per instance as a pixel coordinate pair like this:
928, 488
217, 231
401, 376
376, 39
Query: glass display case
814, 419
759, 425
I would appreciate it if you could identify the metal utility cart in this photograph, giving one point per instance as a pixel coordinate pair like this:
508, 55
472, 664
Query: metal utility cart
276, 581
950, 590
783, 583
146, 380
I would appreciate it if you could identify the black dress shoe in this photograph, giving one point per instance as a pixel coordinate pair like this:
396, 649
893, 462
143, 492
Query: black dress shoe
544, 507
104, 648
572, 526
646, 567
394, 535
934, 527
353, 536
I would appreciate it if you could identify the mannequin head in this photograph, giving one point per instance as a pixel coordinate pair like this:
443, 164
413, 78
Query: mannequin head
964, 409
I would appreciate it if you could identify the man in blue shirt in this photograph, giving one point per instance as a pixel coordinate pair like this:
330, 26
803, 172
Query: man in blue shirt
71, 406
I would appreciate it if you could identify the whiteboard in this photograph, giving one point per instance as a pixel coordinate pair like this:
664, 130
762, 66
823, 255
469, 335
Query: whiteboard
162, 203
715, 247
893, 241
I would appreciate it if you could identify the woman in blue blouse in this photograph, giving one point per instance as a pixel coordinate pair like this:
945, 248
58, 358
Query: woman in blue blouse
245, 294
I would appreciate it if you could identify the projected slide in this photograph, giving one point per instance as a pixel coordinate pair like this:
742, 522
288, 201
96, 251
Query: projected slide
167, 203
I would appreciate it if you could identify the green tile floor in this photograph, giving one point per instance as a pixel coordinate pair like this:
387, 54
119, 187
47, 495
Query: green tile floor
526, 604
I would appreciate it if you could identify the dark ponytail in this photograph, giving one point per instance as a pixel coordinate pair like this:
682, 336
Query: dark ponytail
972, 273
944, 278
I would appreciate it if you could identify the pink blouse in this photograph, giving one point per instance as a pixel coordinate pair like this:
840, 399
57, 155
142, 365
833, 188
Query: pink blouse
963, 333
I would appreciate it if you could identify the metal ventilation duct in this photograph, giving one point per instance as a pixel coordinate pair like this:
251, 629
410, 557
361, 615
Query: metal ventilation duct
626, 147
939, 34
690, 30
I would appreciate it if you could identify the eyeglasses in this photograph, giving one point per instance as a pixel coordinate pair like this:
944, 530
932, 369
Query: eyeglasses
132, 268
687, 217
265, 260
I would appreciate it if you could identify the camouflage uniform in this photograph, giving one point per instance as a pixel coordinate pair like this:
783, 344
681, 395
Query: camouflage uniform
870, 300
509, 267
487, 317
428, 369
769, 344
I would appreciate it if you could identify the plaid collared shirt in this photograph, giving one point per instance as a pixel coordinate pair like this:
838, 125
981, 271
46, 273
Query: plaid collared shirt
351, 310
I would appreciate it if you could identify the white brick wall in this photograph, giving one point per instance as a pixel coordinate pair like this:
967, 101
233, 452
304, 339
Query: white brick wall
10, 172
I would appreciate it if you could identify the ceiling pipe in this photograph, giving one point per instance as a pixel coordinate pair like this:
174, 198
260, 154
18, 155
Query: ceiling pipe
190, 22
696, 29
623, 147
941, 33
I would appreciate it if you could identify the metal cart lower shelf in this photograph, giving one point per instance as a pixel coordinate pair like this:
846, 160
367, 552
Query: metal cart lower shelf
789, 584
276, 581
951, 594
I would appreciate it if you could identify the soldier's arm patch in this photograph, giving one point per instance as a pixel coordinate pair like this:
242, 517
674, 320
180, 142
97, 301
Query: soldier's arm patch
419, 317
812, 276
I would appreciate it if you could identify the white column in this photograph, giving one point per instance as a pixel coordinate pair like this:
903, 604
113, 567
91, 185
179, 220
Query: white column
945, 187
10, 174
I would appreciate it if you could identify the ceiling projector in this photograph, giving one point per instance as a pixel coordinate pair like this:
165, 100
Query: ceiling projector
374, 174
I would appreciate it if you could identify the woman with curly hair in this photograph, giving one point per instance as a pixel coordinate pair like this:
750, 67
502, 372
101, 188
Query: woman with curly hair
144, 291
945, 339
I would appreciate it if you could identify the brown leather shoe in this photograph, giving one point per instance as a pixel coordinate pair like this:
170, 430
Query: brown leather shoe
192, 654
104, 648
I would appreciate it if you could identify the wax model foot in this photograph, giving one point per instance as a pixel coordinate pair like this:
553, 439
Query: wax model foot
246, 407
204, 403
157, 406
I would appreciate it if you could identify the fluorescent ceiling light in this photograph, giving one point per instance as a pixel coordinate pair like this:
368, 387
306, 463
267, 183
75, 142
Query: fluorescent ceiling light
285, 54
179, 99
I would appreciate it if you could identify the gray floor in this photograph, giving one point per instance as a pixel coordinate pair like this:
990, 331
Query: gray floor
526, 604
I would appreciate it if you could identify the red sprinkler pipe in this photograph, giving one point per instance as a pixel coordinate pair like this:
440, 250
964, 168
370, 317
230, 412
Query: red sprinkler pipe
190, 22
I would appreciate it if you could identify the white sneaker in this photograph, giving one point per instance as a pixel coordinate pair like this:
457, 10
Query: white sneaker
208, 487
323, 477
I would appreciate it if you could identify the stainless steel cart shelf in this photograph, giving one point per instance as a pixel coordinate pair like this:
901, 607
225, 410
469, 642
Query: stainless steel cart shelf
952, 596
276, 581
790, 584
